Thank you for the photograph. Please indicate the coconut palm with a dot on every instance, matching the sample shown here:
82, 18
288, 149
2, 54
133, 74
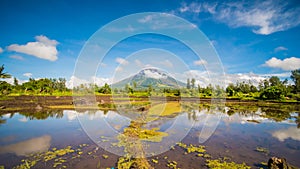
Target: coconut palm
3, 75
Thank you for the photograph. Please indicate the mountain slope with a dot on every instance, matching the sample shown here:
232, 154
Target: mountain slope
150, 76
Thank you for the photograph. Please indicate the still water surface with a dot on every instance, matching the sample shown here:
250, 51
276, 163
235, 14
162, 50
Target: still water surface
242, 129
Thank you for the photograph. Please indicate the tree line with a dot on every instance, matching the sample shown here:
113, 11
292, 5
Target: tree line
269, 89
33, 86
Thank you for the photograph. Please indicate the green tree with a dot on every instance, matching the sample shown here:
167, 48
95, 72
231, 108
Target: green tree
134, 85
274, 81
230, 89
105, 89
296, 78
188, 84
272, 92
5, 88
208, 90
3, 75
193, 83
16, 82
128, 89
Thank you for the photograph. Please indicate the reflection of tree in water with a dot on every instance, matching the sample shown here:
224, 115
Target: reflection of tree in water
276, 114
298, 120
2, 121
42, 115
38, 115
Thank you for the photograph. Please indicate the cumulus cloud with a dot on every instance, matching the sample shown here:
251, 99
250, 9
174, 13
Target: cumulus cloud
27, 74
18, 57
1, 50
203, 78
43, 48
264, 17
75, 81
122, 61
280, 48
101, 81
200, 62
11, 80
155, 75
291, 63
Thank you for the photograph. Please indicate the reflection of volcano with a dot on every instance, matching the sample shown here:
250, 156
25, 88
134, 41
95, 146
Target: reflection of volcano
34, 145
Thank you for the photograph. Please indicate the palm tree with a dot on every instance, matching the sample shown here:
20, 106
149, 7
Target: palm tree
3, 75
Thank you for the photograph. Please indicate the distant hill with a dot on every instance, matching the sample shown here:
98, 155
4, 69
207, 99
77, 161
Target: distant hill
150, 76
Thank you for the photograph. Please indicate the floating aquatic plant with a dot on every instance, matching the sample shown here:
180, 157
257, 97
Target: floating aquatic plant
222, 164
191, 148
172, 164
262, 150
154, 161
57, 156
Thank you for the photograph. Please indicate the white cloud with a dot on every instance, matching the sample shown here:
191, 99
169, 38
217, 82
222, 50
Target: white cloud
155, 75
264, 17
141, 64
213, 42
119, 69
192, 7
203, 78
200, 62
284, 134
11, 81
284, 74
43, 48
122, 61
280, 48
146, 19
1, 50
129, 28
18, 57
244, 77
103, 65
74, 82
27, 74
291, 63
164, 21
101, 81
166, 63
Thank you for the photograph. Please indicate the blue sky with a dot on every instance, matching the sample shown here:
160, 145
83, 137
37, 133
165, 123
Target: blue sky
253, 39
